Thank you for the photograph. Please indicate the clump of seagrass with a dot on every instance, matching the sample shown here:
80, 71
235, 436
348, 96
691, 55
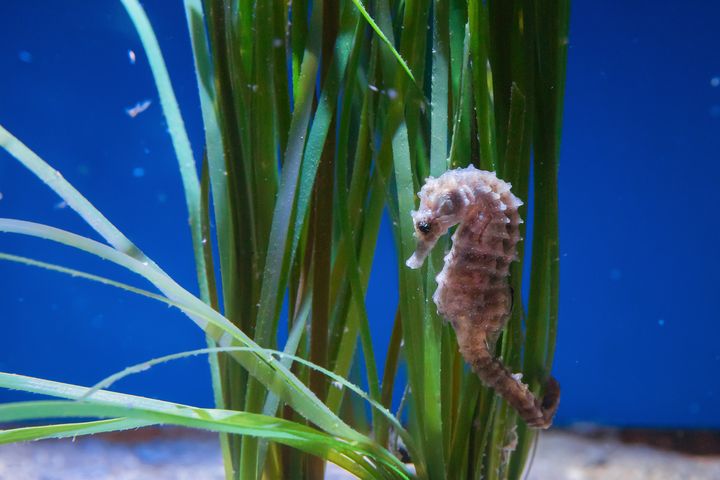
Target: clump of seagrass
473, 292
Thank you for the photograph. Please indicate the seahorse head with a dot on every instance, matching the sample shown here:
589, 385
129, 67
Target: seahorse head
442, 205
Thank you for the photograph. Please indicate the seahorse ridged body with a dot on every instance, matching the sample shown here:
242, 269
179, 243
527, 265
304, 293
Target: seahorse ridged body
473, 292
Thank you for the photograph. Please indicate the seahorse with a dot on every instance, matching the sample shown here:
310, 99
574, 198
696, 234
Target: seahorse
473, 293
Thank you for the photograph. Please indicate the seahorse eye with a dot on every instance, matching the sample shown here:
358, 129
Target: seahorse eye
423, 227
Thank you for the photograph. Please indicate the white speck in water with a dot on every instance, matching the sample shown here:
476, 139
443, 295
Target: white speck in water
373, 88
392, 93
1, 195
132, 57
138, 172
25, 56
715, 82
60, 205
337, 385
661, 322
615, 274
145, 263
277, 42
139, 108
253, 87
204, 241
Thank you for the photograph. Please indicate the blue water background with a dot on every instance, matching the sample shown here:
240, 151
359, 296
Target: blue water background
638, 334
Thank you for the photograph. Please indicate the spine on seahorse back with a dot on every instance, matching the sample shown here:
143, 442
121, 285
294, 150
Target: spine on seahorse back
473, 291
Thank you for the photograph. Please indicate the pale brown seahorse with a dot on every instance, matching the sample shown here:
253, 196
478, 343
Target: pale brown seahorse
473, 292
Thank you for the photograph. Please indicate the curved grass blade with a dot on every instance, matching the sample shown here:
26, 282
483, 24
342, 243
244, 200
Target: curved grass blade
482, 83
278, 259
178, 134
95, 278
75, 200
263, 367
70, 430
213, 136
287, 356
347, 455
338, 381
386, 41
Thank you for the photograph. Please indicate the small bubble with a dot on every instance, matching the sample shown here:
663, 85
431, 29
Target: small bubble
25, 56
661, 322
277, 42
715, 82
131, 57
60, 205
392, 93
138, 172
1, 195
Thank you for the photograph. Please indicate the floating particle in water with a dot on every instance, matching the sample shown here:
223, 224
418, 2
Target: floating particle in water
615, 274
161, 197
715, 82
131, 57
139, 108
1, 195
138, 172
60, 205
25, 56
277, 42
661, 322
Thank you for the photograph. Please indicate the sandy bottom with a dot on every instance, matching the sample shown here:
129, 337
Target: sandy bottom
179, 455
